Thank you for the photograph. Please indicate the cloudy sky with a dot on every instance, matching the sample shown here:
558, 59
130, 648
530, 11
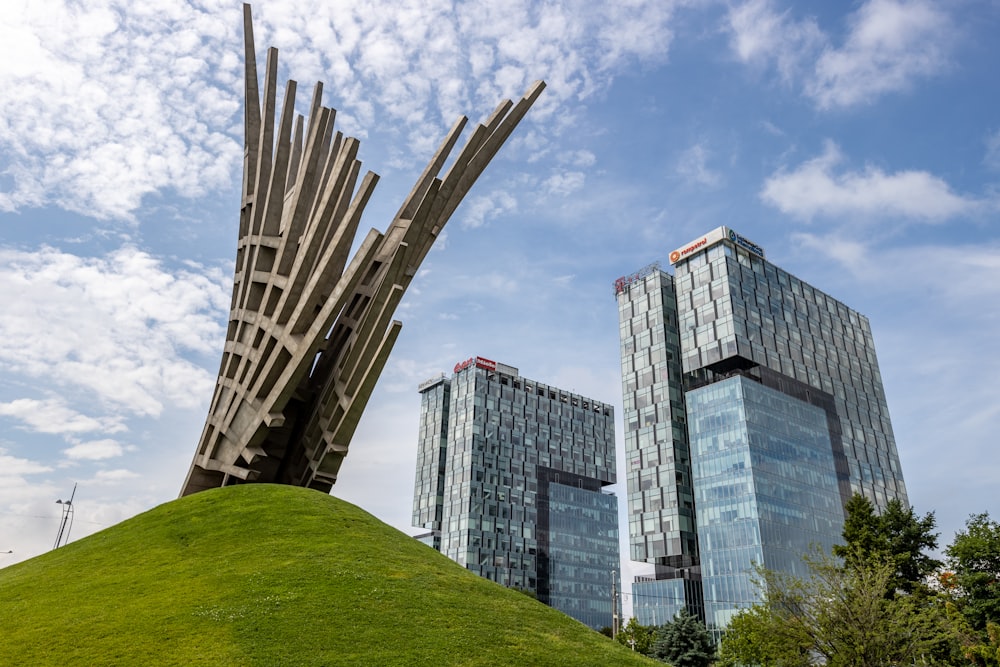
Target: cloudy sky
858, 143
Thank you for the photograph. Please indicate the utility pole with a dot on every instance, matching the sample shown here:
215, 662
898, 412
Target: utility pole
615, 619
66, 524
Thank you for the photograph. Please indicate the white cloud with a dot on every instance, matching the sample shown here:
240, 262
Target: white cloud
116, 326
123, 102
851, 253
530, 145
12, 471
95, 450
692, 166
634, 29
889, 45
816, 188
107, 477
53, 416
110, 101
580, 158
28, 513
564, 183
761, 35
480, 209
973, 272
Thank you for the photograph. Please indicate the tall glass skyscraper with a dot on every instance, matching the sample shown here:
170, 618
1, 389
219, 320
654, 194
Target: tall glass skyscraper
757, 397
510, 482
661, 506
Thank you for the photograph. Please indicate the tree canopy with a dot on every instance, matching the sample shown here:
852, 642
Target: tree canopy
684, 642
868, 603
638, 637
974, 556
755, 637
846, 615
898, 536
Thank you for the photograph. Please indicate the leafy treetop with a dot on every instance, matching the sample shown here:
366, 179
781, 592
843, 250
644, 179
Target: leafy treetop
897, 535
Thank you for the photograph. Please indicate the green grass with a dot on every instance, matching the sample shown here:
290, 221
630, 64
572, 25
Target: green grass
273, 575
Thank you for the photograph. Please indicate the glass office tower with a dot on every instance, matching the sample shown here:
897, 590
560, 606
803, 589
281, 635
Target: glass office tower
738, 313
510, 481
658, 460
765, 487
750, 349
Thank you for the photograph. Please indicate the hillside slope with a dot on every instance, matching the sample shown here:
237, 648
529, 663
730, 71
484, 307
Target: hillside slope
273, 575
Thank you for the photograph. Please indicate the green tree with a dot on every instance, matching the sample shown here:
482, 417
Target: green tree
974, 556
684, 642
846, 615
862, 532
986, 652
897, 535
911, 540
638, 637
754, 637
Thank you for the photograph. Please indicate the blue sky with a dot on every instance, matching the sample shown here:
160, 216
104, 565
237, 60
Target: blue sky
858, 143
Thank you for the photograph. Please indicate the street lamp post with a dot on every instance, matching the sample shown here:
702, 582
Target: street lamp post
67, 520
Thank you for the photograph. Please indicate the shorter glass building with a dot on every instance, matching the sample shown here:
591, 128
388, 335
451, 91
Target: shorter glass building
657, 601
765, 488
576, 545
510, 481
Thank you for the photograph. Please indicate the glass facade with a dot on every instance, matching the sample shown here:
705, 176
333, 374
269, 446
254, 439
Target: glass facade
522, 473
658, 601
582, 551
736, 309
661, 508
753, 410
658, 476
765, 487
432, 447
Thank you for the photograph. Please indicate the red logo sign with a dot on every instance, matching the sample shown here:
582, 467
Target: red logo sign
677, 254
479, 362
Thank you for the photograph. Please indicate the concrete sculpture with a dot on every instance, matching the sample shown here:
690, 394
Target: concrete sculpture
309, 331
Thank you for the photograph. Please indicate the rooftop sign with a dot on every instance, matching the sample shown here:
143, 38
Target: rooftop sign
427, 384
622, 283
705, 241
478, 362
710, 239
746, 243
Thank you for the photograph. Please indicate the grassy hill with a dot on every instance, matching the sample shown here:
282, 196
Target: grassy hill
273, 575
